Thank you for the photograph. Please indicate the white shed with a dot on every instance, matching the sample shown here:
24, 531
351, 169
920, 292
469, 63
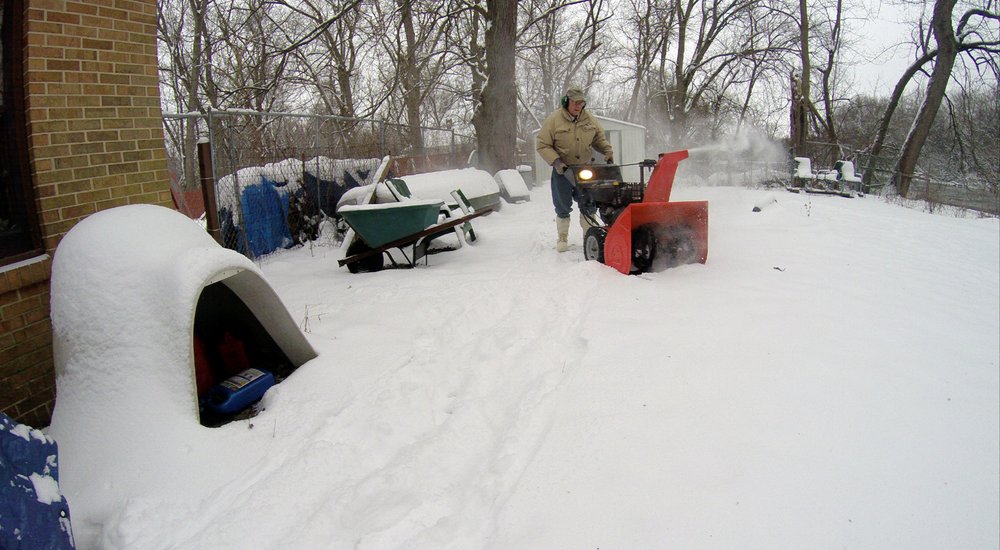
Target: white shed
628, 141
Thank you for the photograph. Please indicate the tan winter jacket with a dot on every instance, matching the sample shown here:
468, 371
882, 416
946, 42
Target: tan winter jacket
572, 141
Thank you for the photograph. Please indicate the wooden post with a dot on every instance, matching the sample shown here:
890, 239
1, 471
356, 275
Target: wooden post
208, 190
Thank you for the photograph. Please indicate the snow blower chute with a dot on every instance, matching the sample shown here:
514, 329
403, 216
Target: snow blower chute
642, 230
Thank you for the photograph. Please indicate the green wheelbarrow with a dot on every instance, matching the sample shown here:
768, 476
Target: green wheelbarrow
408, 226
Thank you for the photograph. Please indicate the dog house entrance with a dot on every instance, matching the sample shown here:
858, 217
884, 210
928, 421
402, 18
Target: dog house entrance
235, 358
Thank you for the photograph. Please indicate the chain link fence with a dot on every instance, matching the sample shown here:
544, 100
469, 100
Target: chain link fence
935, 191
278, 177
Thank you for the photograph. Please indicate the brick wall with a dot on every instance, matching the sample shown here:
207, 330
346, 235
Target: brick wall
93, 103
28, 388
95, 142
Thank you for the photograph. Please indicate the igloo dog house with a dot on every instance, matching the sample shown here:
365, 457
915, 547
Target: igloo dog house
149, 312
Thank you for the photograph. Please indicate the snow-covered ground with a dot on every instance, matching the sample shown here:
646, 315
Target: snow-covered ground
829, 379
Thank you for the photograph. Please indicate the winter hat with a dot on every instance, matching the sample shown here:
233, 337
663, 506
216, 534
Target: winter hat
575, 93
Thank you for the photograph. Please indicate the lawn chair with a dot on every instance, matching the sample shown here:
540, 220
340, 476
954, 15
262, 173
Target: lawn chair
401, 192
849, 179
824, 182
467, 209
802, 175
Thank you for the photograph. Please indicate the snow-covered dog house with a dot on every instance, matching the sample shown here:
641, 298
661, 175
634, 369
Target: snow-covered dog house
628, 141
148, 312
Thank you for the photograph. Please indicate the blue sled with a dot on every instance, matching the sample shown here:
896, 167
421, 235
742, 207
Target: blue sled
238, 392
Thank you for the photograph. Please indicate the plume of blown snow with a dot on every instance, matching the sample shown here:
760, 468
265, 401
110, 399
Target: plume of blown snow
744, 158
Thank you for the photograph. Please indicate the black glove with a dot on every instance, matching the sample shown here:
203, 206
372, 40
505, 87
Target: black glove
609, 159
559, 166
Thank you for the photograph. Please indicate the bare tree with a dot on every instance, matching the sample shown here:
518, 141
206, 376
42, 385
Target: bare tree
801, 85
712, 45
332, 66
944, 34
973, 38
555, 44
248, 75
409, 75
831, 47
419, 58
643, 29
182, 29
770, 41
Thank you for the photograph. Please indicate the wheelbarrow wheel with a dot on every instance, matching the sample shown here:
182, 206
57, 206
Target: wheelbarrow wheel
593, 244
643, 249
375, 262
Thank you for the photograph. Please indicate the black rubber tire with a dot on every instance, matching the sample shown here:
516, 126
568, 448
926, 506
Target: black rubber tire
375, 262
643, 249
593, 244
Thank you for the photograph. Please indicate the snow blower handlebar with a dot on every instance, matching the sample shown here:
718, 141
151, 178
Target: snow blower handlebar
583, 173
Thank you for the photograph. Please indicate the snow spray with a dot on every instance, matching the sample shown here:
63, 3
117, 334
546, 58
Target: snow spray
746, 157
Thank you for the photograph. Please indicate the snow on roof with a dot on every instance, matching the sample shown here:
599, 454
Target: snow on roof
621, 122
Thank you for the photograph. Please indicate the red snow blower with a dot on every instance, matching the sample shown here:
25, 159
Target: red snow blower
642, 230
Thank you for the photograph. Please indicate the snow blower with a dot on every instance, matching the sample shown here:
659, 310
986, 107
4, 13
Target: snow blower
642, 230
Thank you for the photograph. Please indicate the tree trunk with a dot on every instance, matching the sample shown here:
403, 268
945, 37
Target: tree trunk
799, 121
832, 51
944, 34
676, 93
193, 100
495, 119
411, 78
890, 109
801, 91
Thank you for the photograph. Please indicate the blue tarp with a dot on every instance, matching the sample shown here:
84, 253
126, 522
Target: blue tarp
33, 513
266, 211
274, 217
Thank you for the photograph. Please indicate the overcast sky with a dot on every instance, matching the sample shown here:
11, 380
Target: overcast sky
885, 40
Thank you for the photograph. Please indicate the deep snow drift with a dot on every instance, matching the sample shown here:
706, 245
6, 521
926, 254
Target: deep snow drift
830, 378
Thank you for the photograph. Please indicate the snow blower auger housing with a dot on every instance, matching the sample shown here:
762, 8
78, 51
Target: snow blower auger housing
642, 230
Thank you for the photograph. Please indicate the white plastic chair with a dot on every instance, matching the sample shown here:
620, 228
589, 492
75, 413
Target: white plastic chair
845, 170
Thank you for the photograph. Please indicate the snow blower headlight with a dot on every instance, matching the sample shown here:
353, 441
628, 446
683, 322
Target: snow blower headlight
585, 174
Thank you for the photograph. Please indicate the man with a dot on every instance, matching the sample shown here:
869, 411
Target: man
569, 137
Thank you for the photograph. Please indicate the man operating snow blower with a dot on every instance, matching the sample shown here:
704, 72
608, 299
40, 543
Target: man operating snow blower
569, 137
